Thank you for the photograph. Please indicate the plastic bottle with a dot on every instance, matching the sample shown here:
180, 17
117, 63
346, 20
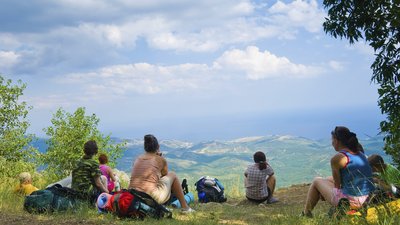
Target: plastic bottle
202, 197
188, 198
144, 208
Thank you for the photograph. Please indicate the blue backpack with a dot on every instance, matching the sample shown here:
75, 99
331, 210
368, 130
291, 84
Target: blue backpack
210, 189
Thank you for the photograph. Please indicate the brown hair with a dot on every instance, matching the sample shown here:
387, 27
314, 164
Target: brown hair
376, 161
103, 159
259, 157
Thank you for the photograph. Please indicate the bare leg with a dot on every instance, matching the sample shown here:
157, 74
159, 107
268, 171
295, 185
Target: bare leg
104, 182
176, 189
271, 183
320, 187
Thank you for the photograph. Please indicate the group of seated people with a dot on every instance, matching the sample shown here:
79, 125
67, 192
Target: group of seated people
149, 175
352, 175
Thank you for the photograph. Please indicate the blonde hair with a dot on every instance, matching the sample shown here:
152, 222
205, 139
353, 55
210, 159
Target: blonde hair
25, 177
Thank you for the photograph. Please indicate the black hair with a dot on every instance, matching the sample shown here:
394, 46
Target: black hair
185, 187
347, 138
150, 143
259, 157
90, 148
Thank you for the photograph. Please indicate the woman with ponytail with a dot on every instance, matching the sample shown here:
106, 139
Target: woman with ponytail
150, 175
260, 180
351, 174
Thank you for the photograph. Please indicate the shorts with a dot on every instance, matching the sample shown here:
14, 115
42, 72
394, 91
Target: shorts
356, 202
163, 191
260, 200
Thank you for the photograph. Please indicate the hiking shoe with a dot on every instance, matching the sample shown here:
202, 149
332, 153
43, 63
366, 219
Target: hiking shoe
308, 214
188, 211
263, 204
272, 200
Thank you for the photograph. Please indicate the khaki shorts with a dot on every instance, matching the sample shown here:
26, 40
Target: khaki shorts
163, 191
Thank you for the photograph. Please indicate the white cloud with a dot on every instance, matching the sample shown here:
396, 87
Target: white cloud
297, 14
336, 65
8, 59
362, 48
148, 79
8, 41
142, 78
51, 101
199, 26
261, 65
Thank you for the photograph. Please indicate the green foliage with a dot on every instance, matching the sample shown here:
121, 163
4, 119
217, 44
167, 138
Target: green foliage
13, 123
68, 134
378, 23
11, 169
15, 153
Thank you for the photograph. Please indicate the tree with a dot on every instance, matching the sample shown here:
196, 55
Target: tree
14, 142
68, 134
378, 23
15, 150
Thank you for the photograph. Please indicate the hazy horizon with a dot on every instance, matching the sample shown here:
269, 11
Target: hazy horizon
311, 125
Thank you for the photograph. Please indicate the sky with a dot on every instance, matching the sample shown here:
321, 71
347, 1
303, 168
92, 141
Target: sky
188, 70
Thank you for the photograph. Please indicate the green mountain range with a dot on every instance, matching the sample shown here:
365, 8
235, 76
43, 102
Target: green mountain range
294, 159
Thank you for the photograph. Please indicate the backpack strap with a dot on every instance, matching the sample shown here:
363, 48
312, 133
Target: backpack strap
115, 205
135, 204
219, 184
142, 197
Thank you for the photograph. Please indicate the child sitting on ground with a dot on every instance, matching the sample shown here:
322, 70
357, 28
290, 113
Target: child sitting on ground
388, 176
25, 186
111, 180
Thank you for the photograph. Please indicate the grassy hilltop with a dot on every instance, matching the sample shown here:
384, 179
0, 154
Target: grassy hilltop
236, 211
296, 161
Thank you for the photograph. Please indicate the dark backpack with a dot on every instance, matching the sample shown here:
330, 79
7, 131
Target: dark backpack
134, 204
210, 189
53, 199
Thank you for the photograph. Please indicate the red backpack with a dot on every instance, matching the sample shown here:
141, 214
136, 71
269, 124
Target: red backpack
133, 204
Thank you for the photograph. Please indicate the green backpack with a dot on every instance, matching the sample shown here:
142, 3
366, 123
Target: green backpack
53, 199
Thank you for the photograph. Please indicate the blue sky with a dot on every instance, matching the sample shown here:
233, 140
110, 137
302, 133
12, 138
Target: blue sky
192, 70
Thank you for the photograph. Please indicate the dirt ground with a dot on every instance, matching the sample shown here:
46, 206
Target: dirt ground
294, 195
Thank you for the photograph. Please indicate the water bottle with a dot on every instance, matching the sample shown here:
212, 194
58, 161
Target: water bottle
202, 197
188, 198
144, 208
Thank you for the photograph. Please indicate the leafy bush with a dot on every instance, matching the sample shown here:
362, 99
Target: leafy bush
68, 134
14, 142
11, 169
